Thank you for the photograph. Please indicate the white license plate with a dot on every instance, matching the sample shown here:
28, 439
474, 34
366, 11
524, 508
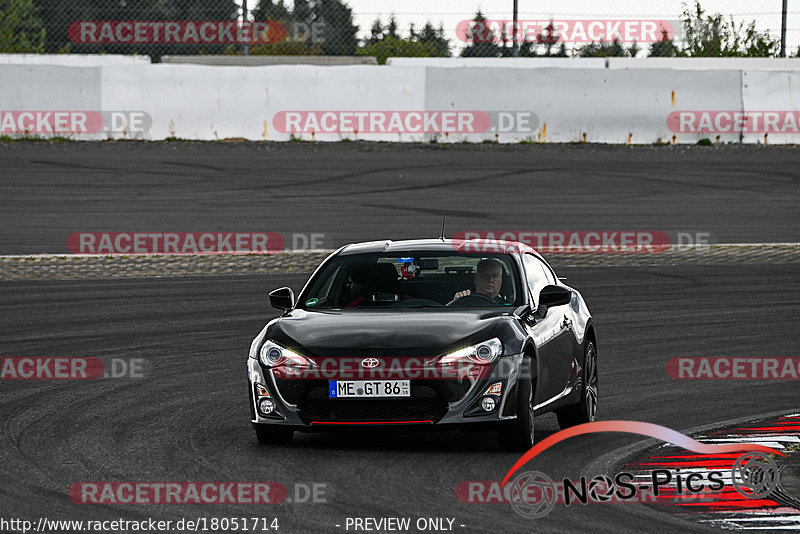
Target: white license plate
368, 388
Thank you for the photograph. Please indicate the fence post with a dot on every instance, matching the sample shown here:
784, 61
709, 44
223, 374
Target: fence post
244, 21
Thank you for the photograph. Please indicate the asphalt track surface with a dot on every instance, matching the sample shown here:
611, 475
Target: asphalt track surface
353, 192
187, 419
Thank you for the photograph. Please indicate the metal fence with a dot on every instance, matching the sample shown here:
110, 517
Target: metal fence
385, 28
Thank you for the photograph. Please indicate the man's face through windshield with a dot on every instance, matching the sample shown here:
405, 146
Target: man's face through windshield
489, 278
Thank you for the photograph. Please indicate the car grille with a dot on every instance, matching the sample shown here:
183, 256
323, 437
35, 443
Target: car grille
424, 404
294, 391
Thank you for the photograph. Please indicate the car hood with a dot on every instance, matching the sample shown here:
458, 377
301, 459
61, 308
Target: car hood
362, 333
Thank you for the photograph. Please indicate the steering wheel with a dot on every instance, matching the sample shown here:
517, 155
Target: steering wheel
474, 299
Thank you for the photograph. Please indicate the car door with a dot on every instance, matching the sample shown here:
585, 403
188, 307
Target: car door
551, 334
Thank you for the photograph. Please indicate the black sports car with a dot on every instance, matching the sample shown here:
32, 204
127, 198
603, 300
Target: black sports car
425, 333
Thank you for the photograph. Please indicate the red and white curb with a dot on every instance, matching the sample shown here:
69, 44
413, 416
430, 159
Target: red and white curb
725, 508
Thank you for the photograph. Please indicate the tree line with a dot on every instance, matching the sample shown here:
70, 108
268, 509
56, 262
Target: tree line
326, 27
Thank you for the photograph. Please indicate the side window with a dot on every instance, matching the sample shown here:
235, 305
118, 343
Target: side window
537, 274
551, 277
324, 293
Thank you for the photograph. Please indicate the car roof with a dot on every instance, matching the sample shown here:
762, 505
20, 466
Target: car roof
467, 246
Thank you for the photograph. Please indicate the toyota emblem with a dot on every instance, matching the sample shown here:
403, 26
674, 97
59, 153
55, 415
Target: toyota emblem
369, 363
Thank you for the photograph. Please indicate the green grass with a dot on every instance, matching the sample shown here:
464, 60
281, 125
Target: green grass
33, 139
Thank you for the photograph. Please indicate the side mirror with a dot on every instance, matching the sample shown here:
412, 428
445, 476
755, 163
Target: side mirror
554, 296
282, 298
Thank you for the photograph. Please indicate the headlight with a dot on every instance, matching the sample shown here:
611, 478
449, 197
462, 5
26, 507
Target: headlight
482, 353
273, 355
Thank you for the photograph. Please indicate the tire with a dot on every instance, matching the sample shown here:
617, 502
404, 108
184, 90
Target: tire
517, 435
586, 410
273, 434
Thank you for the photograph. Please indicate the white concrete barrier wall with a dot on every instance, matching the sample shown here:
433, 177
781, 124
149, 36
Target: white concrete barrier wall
623, 105
596, 106
200, 102
50, 88
776, 93
189, 101
26, 88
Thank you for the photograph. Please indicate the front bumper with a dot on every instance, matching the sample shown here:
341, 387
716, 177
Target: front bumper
304, 404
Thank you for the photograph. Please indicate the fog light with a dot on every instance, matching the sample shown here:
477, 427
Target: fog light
488, 404
266, 406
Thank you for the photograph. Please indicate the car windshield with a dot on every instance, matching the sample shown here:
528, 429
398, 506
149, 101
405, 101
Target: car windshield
414, 280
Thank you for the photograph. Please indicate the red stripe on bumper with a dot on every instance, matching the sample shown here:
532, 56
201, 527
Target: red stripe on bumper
368, 422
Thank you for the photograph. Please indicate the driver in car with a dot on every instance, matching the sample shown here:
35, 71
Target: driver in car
488, 280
